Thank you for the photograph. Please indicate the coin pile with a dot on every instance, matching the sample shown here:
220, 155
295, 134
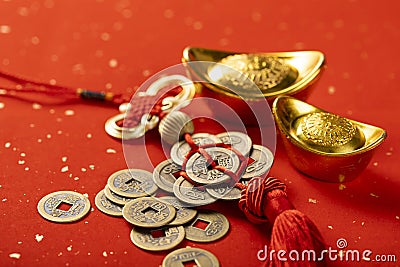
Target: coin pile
215, 182
161, 223
158, 223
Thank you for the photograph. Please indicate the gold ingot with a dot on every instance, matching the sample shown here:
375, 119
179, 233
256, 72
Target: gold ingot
324, 145
274, 74
278, 73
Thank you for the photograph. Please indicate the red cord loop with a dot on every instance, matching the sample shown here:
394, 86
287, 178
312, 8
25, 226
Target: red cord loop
235, 176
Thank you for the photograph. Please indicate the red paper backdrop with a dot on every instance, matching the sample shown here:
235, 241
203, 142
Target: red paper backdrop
114, 46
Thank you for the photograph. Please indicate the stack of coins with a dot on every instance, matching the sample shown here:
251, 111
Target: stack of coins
159, 223
215, 184
162, 223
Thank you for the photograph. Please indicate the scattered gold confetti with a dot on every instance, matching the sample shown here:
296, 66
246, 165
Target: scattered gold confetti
311, 200
69, 248
373, 195
113, 63
89, 135
64, 159
7, 145
21, 162
38, 237
342, 186
15, 255
105, 254
331, 90
330, 227
111, 151
64, 169
362, 223
91, 166
375, 164
398, 217
36, 106
69, 112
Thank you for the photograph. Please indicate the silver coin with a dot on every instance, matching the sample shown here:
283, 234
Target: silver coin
51, 208
180, 149
132, 183
166, 238
163, 175
262, 159
198, 170
191, 195
224, 191
106, 206
200, 257
183, 215
216, 226
148, 212
237, 140
115, 198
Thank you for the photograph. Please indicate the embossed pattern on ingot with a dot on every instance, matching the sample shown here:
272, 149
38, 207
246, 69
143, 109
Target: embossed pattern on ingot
49, 206
326, 129
148, 212
265, 71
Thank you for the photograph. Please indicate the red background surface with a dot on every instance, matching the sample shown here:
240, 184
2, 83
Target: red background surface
73, 42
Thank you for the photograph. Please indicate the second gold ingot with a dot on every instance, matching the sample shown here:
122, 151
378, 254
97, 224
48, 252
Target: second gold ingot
324, 145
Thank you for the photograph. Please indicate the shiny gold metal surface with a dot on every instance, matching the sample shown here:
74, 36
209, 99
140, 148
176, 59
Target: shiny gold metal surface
324, 145
278, 73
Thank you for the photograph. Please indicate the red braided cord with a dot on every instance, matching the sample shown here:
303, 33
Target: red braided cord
252, 199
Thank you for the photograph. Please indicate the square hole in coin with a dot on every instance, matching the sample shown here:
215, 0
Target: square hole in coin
132, 180
149, 210
157, 233
190, 263
201, 224
250, 161
64, 206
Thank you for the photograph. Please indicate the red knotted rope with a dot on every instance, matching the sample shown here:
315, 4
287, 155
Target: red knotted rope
235, 176
265, 200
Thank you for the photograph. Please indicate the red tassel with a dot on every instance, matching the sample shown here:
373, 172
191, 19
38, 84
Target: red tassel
293, 233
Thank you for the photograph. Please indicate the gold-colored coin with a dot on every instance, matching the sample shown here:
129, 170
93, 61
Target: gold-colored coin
208, 226
148, 212
106, 206
183, 215
201, 257
132, 183
159, 239
63, 206
113, 197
